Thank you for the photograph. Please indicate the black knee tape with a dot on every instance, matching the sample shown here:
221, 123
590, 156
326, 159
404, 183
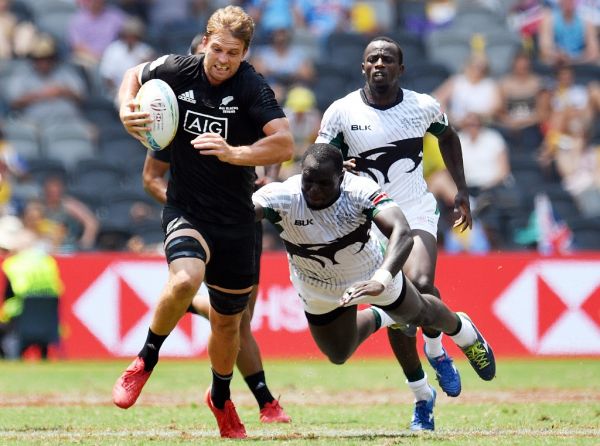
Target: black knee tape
228, 303
184, 246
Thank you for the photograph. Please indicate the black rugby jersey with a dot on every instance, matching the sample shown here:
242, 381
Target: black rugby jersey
203, 186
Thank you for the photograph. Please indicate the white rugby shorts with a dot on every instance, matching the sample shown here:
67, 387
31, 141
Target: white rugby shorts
318, 300
421, 213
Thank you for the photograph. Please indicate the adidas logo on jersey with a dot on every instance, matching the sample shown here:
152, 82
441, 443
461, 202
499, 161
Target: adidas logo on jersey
188, 96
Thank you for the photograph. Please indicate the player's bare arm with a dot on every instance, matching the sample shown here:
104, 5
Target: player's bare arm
392, 223
153, 178
133, 120
271, 174
276, 147
259, 212
451, 151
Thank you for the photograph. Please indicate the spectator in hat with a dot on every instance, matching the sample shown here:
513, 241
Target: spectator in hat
29, 272
305, 119
126, 52
47, 90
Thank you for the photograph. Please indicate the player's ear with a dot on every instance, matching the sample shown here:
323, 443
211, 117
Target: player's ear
362, 67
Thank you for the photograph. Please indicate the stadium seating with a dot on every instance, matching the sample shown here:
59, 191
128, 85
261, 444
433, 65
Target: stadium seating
23, 137
449, 47
41, 168
424, 76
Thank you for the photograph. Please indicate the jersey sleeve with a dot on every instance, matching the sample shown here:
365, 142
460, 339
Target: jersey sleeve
330, 126
438, 119
263, 106
275, 201
331, 131
372, 198
174, 69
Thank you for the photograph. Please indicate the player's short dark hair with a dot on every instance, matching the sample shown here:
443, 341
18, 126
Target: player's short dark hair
196, 41
393, 42
323, 153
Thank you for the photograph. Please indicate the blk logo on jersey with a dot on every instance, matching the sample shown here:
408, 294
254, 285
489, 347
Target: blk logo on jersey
308, 221
199, 123
381, 159
360, 127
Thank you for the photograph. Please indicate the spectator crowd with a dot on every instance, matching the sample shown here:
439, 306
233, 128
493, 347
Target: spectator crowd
519, 79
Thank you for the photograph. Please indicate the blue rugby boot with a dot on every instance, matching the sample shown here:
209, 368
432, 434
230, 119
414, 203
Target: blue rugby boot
446, 373
480, 355
422, 419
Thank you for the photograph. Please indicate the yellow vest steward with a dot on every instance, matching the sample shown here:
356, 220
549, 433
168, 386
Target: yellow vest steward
30, 273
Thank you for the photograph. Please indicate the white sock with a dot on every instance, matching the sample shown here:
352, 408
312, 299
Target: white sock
421, 389
433, 346
386, 320
466, 336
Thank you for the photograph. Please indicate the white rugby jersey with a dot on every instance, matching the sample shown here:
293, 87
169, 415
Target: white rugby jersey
387, 143
330, 248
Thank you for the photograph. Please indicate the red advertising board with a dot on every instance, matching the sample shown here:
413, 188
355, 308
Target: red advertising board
524, 304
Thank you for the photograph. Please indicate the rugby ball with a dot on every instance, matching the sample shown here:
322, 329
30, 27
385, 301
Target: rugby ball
158, 99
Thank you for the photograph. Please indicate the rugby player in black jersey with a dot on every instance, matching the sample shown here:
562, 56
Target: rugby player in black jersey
249, 361
229, 123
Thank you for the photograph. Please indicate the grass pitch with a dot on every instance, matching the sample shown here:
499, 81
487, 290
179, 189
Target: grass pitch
364, 402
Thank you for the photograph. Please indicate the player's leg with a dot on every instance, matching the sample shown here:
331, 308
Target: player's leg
249, 361
426, 310
250, 365
338, 333
229, 279
420, 270
186, 251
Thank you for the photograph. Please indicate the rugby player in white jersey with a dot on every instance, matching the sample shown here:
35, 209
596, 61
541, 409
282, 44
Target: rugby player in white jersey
324, 217
379, 129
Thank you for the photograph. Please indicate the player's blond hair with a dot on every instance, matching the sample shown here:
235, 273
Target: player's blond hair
235, 20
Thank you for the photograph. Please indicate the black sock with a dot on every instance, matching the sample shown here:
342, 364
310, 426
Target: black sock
416, 375
220, 392
258, 386
149, 352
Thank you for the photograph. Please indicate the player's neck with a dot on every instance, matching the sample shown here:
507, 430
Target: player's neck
382, 98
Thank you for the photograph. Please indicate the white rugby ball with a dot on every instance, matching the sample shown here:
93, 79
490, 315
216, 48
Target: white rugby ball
158, 99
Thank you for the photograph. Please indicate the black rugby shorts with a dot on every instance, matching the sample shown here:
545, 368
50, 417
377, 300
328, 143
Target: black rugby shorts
232, 250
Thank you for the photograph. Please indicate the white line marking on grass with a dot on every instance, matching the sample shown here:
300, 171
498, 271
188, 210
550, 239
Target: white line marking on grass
258, 434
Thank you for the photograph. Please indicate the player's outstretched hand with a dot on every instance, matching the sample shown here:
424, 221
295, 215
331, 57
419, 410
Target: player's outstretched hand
134, 120
365, 288
350, 166
213, 144
463, 208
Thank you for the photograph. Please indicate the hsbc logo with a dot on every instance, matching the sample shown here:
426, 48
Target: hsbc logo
199, 123
553, 307
117, 309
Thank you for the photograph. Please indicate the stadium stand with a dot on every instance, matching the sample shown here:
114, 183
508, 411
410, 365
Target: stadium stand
433, 49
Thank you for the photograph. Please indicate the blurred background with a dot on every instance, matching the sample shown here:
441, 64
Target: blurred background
519, 79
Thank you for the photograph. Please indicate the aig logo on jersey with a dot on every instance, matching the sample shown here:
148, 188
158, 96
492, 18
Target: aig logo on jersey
199, 123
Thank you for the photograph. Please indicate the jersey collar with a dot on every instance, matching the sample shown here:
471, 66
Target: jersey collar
399, 98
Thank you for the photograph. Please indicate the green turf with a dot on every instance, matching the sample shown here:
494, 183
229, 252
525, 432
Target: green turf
542, 402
